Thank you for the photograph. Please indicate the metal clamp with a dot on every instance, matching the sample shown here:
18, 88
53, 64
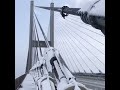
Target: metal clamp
63, 13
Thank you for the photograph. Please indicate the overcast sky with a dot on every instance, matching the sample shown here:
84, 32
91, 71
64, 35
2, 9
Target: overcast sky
63, 38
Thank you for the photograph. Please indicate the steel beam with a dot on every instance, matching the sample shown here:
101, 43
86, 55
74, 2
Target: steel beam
39, 43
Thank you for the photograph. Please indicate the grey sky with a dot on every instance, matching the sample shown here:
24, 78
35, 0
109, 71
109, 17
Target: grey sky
22, 10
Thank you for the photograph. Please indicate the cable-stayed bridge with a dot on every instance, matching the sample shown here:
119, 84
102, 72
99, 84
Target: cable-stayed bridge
70, 56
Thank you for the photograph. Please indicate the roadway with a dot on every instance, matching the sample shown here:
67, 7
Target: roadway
92, 83
28, 83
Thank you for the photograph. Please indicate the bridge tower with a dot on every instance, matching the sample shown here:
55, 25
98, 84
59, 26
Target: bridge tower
29, 59
52, 24
33, 43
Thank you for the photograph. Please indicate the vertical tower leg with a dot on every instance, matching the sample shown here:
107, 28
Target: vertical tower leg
29, 60
52, 25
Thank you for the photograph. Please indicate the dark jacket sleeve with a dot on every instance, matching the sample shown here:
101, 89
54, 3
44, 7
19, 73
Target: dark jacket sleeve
96, 21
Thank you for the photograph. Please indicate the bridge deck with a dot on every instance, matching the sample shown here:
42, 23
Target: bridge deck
28, 83
92, 83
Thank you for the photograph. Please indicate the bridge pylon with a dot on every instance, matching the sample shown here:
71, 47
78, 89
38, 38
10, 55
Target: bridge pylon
35, 43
